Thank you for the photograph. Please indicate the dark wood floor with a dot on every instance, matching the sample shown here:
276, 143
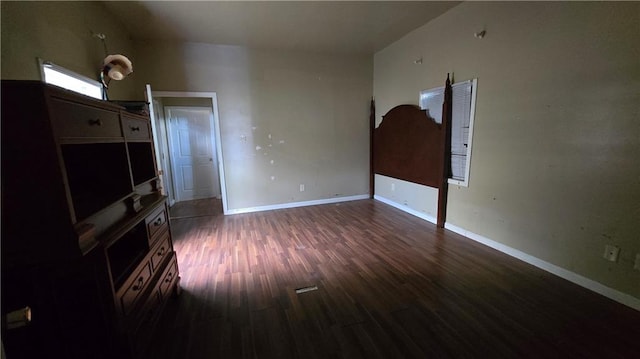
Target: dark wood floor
389, 285
196, 208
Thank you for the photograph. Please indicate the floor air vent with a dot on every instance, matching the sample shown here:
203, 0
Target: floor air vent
306, 289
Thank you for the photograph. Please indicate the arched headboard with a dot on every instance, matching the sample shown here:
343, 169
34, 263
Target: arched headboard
409, 145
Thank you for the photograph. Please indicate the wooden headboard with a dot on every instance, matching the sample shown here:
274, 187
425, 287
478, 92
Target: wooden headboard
409, 145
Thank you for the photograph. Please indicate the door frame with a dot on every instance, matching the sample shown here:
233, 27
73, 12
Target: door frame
172, 144
162, 149
216, 129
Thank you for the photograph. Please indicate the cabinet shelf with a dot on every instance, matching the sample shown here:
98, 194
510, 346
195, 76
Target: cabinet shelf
126, 253
97, 174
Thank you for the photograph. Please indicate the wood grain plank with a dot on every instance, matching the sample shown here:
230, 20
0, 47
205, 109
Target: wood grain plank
389, 286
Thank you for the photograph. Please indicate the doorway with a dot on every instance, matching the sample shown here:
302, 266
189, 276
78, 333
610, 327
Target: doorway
192, 156
189, 152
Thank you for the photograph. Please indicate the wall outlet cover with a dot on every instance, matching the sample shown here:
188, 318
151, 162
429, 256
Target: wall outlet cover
611, 253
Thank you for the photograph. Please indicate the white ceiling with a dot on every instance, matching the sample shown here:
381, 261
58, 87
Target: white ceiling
359, 27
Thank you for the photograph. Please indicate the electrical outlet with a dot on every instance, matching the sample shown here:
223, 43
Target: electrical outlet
301, 187
636, 264
611, 253
393, 187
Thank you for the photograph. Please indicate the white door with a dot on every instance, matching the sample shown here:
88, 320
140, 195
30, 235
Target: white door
193, 159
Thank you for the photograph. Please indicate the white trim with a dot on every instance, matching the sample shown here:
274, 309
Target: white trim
472, 115
156, 134
216, 122
218, 134
185, 94
163, 150
406, 209
297, 204
575, 278
587, 283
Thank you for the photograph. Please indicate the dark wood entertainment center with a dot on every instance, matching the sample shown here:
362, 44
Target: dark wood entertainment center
86, 238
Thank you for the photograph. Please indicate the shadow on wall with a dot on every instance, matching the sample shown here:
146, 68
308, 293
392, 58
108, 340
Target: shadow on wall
286, 118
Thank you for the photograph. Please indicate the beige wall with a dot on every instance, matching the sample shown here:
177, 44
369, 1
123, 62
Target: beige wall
555, 167
315, 107
61, 32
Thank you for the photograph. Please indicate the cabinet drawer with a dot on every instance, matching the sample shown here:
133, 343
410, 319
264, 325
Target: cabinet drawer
155, 223
131, 294
147, 316
169, 278
72, 120
135, 129
160, 251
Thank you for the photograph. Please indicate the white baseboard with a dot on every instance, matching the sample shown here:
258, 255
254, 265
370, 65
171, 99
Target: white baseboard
404, 208
585, 282
297, 204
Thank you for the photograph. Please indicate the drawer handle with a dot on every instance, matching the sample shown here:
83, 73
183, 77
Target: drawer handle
169, 278
96, 122
133, 129
158, 222
138, 284
161, 252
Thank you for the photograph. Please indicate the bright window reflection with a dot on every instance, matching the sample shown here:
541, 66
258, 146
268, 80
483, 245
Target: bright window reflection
59, 76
